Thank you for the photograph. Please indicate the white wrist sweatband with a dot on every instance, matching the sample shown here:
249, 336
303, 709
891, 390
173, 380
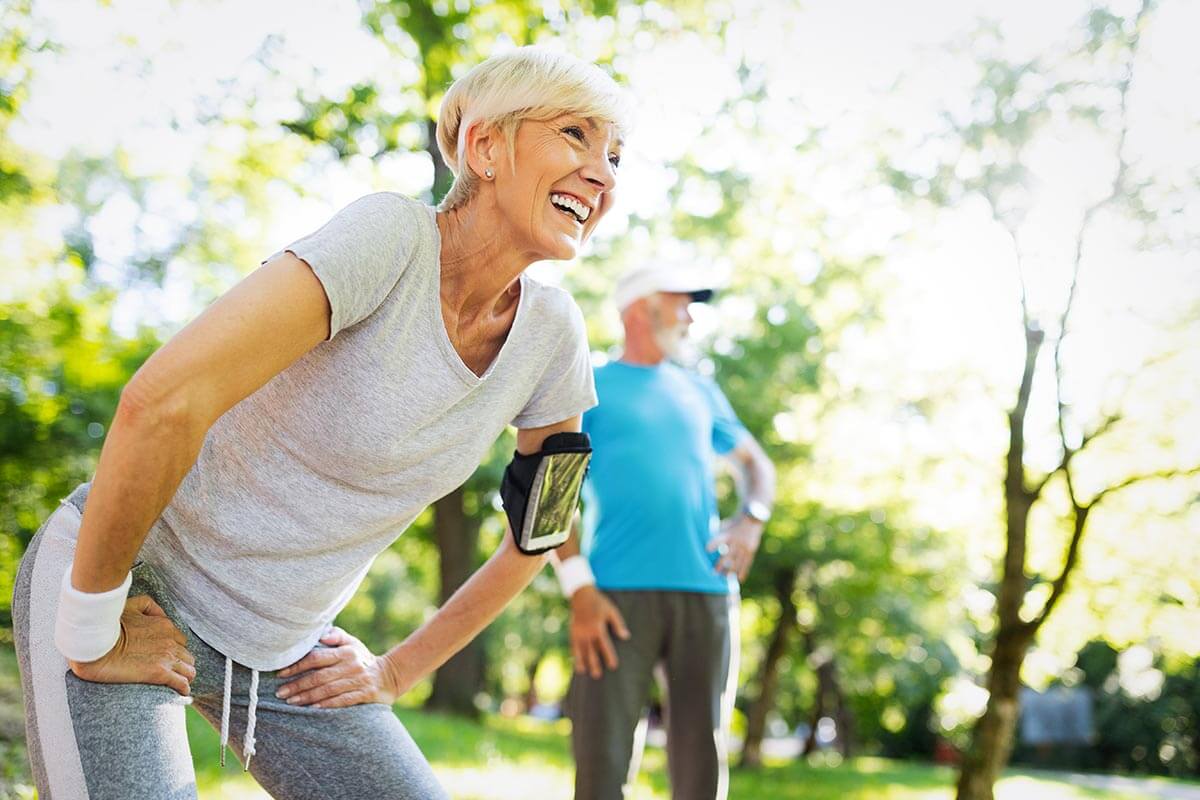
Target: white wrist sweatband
88, 624
574, 574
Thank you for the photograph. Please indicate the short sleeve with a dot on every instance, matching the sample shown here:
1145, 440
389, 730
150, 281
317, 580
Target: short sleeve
567, 387
359, 255
727, 429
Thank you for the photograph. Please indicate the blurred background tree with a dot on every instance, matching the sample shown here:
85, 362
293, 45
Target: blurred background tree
1081, 94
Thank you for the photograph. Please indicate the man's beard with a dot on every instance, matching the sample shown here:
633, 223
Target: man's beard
673, 341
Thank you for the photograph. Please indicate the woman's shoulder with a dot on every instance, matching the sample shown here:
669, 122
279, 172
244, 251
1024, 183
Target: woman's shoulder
396, 227
554, 306
393, 205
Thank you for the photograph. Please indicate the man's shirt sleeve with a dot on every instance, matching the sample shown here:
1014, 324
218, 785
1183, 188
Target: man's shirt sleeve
727, 430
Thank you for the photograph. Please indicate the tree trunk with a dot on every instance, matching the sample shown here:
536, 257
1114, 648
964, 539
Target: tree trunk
830, 700
459, 680
818, 662
531, 695
846, 736
768, 681
992, 737
443, 178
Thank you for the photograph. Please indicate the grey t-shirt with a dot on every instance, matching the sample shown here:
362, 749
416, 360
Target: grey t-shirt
299, 486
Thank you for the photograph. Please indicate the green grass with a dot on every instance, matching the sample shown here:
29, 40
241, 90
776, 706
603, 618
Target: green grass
502, 759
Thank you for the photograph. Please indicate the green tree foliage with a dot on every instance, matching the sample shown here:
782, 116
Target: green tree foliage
1146, 713
17, 41
61, 366
1156, 729
438, 41
61, 372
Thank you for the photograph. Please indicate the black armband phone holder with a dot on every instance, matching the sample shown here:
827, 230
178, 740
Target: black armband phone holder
540, 491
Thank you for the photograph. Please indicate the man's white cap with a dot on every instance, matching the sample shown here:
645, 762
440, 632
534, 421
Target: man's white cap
645, 281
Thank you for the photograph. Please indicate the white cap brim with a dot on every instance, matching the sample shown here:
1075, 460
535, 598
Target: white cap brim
645, 281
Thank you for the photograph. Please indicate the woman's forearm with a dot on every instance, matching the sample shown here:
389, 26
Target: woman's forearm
468, 611
148, 451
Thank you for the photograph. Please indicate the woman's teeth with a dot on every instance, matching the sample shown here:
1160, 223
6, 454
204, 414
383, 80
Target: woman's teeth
568, 203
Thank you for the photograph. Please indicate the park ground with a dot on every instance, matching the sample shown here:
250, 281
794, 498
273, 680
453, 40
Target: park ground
499, 758
515, 759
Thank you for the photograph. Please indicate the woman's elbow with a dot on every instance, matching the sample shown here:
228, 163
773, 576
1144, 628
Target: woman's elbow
146, 404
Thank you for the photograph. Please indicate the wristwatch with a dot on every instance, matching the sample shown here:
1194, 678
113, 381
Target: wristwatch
757, 511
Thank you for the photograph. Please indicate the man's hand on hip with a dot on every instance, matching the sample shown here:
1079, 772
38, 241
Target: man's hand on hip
592, 614
737, 543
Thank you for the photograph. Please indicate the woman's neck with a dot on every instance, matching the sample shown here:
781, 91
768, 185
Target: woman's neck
479, 265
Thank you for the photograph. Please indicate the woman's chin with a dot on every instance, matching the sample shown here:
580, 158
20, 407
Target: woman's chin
562, 249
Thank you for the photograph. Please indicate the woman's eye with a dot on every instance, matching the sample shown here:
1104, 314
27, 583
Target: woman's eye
615, 160
574, 131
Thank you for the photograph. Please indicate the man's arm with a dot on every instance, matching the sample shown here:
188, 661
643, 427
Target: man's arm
757, 473
754, 475
592, 614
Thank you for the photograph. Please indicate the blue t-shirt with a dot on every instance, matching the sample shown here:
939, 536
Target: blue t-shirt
651, 495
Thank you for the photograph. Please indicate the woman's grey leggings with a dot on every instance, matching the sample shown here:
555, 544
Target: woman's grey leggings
129, 742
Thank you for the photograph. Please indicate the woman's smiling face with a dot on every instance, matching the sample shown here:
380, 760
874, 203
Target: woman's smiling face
564, 177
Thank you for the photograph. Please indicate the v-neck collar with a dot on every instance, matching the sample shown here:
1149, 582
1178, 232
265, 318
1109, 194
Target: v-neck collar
453, 359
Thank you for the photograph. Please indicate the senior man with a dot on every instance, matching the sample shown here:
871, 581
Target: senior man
659, 581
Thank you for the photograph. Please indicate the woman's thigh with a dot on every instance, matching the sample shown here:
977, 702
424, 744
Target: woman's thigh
324, 754
89, 740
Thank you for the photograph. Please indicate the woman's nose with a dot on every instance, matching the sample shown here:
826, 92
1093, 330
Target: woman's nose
600, 173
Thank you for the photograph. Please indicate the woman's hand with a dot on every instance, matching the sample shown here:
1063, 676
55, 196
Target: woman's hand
149, 650
592, 616
345, 673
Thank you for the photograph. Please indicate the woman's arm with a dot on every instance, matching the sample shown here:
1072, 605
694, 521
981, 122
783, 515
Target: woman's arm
264, 323
347, 674
250, 334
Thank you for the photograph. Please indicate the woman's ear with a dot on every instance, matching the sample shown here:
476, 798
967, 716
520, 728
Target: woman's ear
484, 149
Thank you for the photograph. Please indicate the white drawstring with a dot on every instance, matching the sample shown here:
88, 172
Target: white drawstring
248, 741
225, 707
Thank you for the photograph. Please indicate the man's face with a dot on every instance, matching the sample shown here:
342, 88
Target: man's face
669, 321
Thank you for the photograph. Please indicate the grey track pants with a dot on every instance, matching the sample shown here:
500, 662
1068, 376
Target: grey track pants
129, 742
694, 638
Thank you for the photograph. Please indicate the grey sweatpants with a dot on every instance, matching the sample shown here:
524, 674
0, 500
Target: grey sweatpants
129, 741
694, 638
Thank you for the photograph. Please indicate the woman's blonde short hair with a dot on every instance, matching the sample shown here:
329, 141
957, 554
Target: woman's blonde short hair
505, 90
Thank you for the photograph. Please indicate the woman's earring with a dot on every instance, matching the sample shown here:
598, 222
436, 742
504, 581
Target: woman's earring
487, 173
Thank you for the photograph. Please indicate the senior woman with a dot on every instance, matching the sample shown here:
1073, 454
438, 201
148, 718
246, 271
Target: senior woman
261, 459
